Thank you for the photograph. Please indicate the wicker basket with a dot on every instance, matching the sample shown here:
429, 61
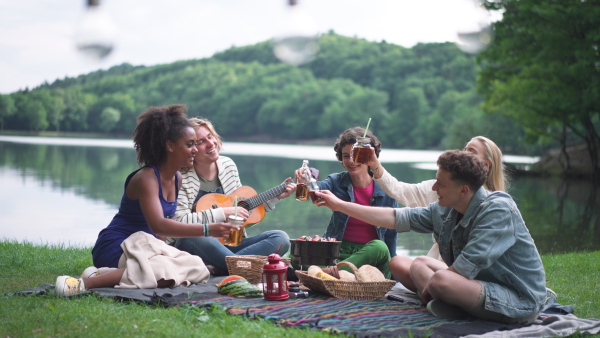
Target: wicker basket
249, 266
346, 290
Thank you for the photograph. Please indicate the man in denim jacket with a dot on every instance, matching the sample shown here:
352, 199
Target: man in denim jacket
491, 270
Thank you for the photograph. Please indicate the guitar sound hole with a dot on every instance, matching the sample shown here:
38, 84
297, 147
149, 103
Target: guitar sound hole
244, 205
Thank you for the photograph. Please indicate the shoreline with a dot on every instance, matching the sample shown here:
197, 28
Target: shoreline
549, 164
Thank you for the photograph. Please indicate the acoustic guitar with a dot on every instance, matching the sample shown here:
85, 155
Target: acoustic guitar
247, 199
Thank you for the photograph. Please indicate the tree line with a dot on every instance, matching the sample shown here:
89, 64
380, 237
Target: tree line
535, 88
421, 97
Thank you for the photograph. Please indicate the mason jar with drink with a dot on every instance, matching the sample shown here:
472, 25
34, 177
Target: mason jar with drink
362, 150
235, 236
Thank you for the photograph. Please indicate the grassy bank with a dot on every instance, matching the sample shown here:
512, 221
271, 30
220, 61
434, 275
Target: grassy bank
574, 277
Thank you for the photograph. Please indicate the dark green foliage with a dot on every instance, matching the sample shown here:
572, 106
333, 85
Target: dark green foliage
414, 96
543, 70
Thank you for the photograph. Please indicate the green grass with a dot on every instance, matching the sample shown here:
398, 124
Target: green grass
574, 277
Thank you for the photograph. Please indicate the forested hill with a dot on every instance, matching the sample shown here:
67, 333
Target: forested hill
420, 97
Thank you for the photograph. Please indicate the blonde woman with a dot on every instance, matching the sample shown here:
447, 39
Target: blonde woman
421, 194
213, 173
128, 252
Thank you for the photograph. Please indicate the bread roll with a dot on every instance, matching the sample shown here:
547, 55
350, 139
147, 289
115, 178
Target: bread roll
369, 273
347, 276
313, 269
366, 273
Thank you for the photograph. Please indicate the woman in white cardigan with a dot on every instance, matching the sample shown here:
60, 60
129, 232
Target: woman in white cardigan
420, 194
214, 173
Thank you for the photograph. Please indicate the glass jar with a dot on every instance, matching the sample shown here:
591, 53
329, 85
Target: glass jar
312, 188
362, 150
235, 236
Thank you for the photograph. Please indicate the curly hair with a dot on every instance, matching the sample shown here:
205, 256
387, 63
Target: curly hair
464, 167
155, 127
349, 137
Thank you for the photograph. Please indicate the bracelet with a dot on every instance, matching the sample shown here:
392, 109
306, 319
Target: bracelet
205, 229
375, 172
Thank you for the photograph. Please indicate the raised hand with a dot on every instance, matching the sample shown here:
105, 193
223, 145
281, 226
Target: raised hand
289, 189
329, 200
375, 165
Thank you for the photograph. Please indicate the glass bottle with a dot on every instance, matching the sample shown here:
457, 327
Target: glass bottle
362, 150
303, 181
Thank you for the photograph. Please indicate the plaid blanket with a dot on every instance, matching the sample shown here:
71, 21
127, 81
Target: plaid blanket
375, 318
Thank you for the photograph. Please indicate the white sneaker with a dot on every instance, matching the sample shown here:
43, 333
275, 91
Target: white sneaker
90, 272
67, 286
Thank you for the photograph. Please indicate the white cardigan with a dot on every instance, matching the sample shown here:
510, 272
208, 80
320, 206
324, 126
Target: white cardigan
410, 195
190, 186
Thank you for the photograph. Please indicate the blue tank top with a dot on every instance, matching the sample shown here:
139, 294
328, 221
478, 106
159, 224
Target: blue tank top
130, 219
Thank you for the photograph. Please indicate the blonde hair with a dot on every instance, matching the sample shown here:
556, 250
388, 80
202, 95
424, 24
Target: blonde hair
197, 123
498, 177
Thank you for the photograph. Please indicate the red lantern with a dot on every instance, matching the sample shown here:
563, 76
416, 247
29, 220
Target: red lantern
275, 279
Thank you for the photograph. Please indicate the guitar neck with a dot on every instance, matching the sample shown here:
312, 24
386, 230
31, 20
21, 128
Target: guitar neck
261, 198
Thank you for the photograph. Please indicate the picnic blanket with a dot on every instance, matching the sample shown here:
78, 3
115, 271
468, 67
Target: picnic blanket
382, 317
374, 318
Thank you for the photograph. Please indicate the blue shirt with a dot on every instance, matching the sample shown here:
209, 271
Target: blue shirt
341, 186
490, 244
130, 219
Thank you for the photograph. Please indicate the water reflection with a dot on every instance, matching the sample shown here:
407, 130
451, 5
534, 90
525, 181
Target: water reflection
53, 193
562, 215
37, 210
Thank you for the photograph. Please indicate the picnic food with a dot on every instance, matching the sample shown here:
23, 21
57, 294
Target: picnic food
316, 238
229, 279
347, 276
313, 269
348, 286
238, 287
324, 275
366, 273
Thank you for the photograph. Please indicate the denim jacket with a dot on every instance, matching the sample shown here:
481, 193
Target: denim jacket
341, 186
490, 244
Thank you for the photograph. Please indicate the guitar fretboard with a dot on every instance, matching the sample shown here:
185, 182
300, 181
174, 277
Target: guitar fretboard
261, 198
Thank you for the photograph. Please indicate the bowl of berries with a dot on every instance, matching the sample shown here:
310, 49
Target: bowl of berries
314, 250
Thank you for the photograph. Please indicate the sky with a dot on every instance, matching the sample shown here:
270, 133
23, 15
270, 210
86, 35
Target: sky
37, 36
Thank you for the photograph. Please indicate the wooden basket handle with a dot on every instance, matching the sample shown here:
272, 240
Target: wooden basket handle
349, 264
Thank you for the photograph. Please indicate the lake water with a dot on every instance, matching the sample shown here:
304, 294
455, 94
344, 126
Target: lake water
65, 190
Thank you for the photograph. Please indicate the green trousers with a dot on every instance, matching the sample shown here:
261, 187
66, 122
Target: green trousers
374, 253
